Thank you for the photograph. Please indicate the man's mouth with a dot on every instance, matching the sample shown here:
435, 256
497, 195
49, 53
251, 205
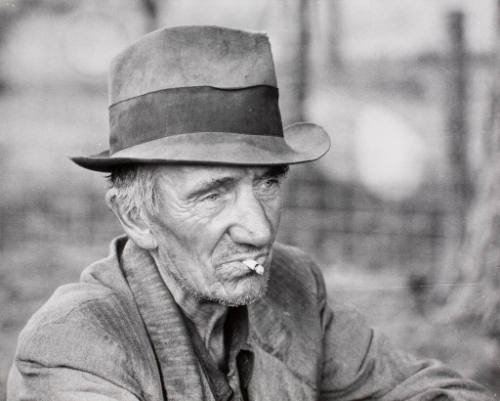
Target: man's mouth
244, 265
260, 258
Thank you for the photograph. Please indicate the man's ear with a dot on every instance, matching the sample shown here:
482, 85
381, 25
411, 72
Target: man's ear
133, 224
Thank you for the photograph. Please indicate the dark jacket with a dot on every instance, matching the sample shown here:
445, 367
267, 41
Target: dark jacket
118, 335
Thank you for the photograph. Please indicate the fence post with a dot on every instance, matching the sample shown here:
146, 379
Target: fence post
491, 141
302, 57
335, 62
457, 117
150, 8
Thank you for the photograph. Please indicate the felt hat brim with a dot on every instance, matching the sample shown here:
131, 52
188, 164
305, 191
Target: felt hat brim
302, 142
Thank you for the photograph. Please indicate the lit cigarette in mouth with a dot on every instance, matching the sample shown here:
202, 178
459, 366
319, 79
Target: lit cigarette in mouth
254, 266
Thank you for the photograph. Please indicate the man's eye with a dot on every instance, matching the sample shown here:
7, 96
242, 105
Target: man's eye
269, 184
212, 196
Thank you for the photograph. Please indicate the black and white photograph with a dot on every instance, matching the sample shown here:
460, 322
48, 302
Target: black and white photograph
249, 200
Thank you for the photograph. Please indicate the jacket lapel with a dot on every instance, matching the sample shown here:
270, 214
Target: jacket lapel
268, 329
276, 343
164, 323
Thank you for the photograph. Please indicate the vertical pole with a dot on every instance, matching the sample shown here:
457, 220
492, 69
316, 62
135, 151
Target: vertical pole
492, 141
151, 11
457, 117
335, 62
303, 56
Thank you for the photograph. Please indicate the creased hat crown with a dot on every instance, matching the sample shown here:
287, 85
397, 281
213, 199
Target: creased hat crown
200, 94
191, 56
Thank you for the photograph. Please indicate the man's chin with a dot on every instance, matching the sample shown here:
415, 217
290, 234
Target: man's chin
251, 294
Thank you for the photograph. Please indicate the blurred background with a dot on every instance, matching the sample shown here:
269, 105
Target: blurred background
403, 214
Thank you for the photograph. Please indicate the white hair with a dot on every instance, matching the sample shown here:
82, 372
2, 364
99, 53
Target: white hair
136, 189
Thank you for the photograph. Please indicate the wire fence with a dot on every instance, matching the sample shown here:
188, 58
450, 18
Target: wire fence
342, 223
336, 222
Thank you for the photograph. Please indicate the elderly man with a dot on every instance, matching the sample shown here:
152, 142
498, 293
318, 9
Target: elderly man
197, 302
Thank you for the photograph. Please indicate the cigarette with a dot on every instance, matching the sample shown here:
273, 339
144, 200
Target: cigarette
254, 266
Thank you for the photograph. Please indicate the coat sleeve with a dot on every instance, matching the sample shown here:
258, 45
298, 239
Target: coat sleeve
72, 360
360, 364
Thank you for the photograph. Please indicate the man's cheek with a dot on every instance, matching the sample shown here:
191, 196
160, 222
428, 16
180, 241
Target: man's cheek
273, 212
202, 243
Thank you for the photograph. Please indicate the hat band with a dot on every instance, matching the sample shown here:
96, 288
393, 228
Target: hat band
168, 112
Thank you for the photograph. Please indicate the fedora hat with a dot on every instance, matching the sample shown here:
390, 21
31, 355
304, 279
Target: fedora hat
200, 94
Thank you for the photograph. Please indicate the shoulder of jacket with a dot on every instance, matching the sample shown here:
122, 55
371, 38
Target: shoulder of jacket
75, 316
68, 302
84, 328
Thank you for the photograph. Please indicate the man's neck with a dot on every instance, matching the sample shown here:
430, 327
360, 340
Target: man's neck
207, 317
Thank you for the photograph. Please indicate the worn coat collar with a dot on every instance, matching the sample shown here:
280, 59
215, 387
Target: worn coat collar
164, 324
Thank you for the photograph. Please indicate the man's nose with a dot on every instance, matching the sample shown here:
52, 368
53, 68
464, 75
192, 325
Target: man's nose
251, 225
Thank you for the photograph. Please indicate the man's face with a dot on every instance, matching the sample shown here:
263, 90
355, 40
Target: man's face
210, 219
